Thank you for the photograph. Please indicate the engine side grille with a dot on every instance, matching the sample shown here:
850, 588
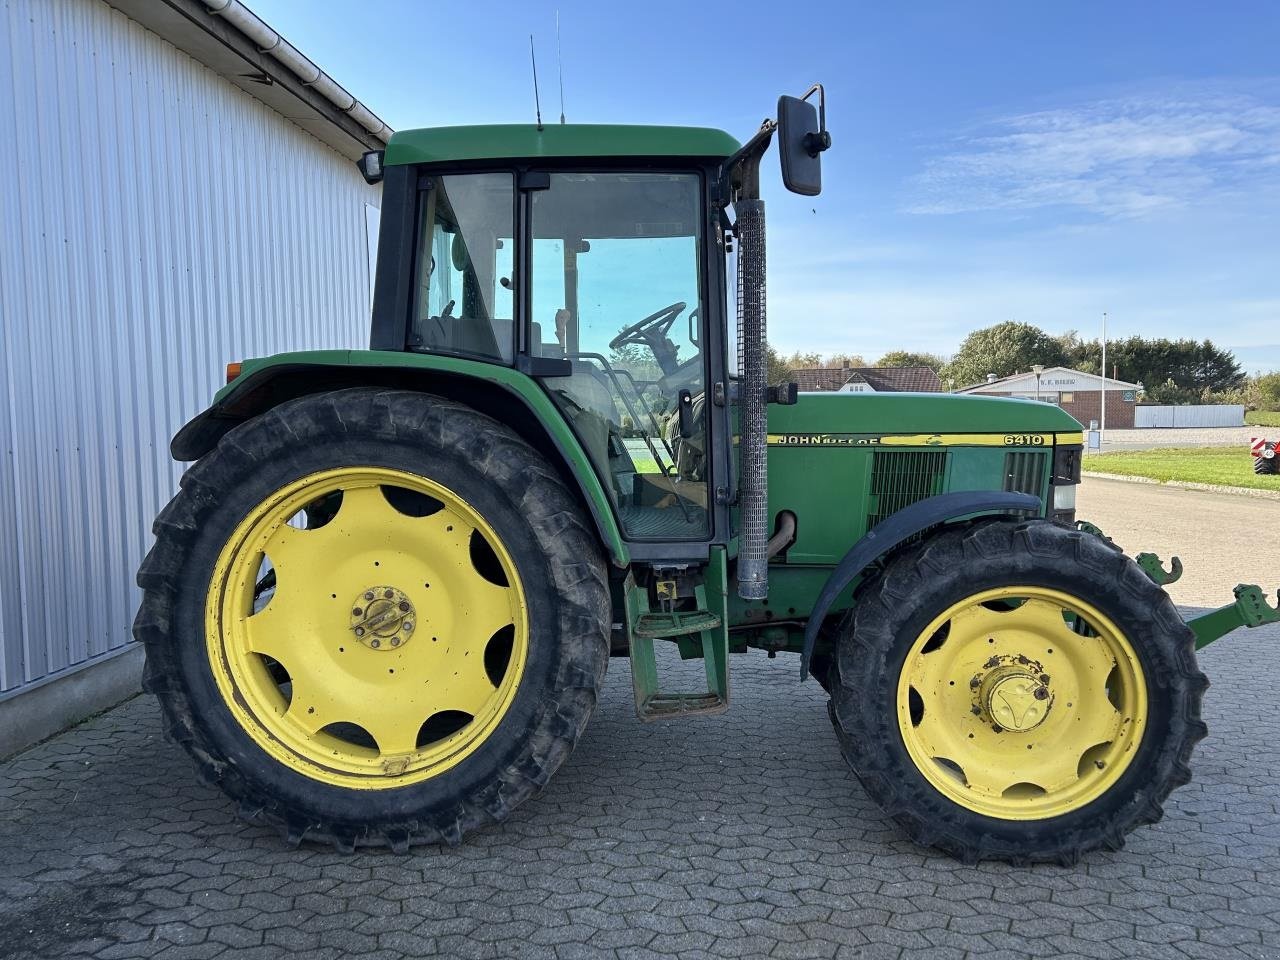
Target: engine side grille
1024, 472
900, 478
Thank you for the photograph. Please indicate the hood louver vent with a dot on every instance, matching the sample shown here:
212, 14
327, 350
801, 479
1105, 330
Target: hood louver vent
901, 478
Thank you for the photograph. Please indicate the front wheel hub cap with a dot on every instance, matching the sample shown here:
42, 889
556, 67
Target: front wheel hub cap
383, 618
1017, 702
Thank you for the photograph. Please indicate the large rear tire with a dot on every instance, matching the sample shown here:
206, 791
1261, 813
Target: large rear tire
1266, 466
374, 618
1017, 691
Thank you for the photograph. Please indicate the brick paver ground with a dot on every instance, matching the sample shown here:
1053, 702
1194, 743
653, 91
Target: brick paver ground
734, 836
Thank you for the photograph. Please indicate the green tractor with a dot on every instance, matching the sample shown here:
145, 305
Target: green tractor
380, 609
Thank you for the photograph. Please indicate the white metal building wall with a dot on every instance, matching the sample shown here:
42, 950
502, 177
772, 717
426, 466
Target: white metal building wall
155, 223
1192, 415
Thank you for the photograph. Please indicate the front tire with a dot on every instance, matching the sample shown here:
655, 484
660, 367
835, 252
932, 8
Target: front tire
374, 618
1017, 691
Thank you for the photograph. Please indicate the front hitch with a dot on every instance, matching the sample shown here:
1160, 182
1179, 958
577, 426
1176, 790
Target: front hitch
1251, 609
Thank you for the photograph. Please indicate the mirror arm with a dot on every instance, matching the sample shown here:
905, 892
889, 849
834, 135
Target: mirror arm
816, 143
748, 159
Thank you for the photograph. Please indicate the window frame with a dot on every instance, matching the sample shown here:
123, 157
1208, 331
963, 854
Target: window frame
537, 176
423, 185
398, 240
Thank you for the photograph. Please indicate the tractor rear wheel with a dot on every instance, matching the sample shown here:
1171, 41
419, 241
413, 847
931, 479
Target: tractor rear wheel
1017, 691
374, 618
1266, 466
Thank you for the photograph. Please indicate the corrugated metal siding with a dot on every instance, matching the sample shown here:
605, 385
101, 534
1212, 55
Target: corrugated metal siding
1192, 415
155, 223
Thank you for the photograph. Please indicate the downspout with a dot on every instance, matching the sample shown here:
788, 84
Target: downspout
276, 46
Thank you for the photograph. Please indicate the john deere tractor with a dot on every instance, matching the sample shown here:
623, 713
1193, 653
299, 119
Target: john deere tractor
380, 608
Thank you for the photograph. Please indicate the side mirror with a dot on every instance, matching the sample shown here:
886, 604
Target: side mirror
802, 137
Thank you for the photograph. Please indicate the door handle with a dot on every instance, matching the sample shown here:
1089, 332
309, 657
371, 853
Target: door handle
685, 412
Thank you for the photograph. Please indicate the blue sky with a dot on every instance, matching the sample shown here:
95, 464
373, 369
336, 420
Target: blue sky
991, 160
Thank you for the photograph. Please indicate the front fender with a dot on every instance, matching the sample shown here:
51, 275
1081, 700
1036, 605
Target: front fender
895, 530
507, 395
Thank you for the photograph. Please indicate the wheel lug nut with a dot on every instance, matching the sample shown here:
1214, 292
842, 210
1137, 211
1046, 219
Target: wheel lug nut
359, 631
408, 626
395, 641
357, 612
1042, 693
389, 594
404, 605
368, 595
375, 643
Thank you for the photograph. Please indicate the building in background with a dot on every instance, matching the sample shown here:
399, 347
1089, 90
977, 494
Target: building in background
849, 379
181, 194
1078, 393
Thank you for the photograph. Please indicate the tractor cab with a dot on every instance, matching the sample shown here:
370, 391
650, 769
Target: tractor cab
609, 271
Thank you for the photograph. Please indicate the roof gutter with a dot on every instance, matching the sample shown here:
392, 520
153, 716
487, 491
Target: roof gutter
272, 44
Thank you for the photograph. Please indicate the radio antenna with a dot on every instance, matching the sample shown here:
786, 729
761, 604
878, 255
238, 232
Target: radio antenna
537, 104
559, 66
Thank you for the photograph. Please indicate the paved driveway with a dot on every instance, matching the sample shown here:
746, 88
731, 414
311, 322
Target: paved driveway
1146, 439
736, 836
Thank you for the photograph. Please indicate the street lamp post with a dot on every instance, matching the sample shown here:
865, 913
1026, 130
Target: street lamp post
1038, 368
1102, 434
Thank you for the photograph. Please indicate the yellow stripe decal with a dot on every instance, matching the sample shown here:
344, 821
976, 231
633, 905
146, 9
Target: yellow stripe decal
913, 439
1068, 439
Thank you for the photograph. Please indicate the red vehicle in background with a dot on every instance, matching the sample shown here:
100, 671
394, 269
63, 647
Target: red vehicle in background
1264, 455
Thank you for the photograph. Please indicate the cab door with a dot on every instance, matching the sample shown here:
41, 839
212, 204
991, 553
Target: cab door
617, 290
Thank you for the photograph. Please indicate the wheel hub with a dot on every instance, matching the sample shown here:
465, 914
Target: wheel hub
1016, 700
383, 618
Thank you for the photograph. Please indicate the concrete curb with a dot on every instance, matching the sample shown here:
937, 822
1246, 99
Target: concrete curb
50, 708
1187, 485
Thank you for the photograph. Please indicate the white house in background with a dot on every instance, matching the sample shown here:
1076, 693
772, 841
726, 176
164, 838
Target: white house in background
1077, 392
182, 193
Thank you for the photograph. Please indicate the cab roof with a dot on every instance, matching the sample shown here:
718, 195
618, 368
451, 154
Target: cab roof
514, 141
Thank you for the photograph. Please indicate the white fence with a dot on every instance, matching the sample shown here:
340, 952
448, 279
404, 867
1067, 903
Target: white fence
1199, 415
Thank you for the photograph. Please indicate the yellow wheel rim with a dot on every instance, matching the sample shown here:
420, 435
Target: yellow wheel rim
1022, 703
367, 627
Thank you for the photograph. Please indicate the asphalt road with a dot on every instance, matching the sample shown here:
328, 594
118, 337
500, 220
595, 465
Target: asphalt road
736, 836
1147, 439
1222, 539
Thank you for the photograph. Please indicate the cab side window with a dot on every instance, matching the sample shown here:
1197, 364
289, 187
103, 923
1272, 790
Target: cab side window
462, 300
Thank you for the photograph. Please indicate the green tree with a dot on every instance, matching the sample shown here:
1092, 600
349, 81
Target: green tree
1267, 386
1003, 349
1193, 367
777, 370
907, 358
844, 360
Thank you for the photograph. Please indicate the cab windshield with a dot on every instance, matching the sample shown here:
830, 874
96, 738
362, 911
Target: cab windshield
616, 290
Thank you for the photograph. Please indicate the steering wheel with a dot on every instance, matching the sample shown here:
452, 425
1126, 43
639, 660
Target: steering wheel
652, 333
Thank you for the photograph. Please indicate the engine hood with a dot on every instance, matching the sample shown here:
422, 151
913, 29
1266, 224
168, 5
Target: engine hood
915, 413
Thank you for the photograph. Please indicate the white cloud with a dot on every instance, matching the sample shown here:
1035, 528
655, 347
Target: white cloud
1117, 157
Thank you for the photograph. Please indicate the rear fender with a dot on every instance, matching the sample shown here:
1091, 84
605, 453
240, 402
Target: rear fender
897, 529
501, 392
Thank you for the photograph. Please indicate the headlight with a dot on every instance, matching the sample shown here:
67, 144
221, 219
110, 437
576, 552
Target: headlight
1064, 498
1064, 503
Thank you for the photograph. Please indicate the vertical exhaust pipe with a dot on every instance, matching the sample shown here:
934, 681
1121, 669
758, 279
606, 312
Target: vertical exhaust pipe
753, 506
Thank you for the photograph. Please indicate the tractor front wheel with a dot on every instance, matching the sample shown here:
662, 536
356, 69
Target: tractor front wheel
374, 618
1017, 691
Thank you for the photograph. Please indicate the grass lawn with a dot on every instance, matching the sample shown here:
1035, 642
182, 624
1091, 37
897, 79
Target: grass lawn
1260, 418
1228, 466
